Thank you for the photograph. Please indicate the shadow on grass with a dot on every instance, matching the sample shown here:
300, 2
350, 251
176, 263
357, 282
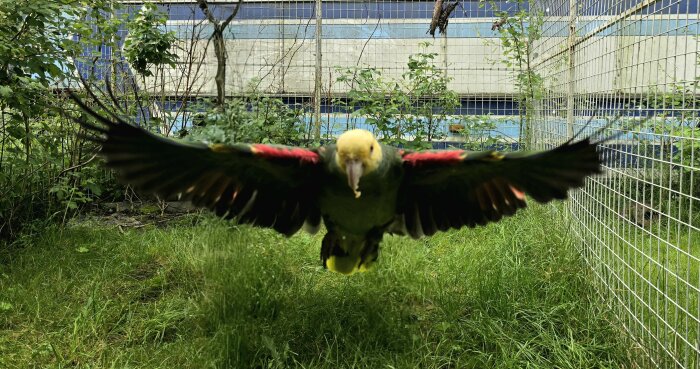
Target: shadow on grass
269, 313
511, 295
505, 296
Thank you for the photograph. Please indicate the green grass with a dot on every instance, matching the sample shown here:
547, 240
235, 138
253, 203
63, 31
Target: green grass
210, 295
652, 272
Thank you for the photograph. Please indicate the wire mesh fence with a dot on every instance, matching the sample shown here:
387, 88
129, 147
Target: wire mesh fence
638, 225
313, 60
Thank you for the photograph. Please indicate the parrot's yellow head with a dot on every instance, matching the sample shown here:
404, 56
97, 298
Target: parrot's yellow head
357, 153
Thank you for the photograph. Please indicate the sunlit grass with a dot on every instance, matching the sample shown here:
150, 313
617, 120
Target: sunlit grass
511, 295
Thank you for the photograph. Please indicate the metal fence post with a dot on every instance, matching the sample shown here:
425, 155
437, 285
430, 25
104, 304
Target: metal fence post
319, 71
571, 90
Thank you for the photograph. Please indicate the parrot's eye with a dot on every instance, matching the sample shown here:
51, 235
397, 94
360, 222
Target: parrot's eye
371, 148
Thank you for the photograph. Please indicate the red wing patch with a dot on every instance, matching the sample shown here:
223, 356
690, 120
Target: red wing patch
434, 157
303, 155
520, 195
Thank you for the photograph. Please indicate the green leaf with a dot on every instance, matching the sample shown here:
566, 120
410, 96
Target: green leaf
5, 91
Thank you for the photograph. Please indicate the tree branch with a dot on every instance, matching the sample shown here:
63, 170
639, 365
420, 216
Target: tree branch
77, 165
230, 17
20, 31
205, 9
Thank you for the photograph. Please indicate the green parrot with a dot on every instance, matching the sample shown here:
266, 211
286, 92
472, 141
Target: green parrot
359, 188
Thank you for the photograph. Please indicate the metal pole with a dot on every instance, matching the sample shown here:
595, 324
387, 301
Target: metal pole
283, 43
572, 69
444, 51
319, 71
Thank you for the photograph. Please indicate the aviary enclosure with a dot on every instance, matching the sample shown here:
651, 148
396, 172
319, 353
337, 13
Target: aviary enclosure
507, 75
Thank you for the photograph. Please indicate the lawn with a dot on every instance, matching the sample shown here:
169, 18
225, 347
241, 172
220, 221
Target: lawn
202, 293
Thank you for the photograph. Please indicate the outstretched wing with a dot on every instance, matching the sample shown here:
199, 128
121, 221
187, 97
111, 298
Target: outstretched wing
454, 188
264, 185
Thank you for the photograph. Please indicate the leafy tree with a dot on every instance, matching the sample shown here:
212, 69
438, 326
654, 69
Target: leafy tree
408, 111
430, 99
518, 33
33, 44
253, 118
219, 46
39, 147
147, 45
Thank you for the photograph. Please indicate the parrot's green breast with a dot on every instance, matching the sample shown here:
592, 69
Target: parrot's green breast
374, 208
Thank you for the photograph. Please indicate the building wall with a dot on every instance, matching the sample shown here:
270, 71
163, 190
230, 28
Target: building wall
272, 43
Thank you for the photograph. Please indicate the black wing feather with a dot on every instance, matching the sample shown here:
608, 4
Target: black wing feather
451, 189
236, 182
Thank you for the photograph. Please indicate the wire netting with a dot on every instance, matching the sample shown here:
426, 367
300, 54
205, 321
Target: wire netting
273, 48
600, 62
637, 225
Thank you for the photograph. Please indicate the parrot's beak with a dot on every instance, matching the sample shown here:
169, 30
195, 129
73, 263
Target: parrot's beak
353, 169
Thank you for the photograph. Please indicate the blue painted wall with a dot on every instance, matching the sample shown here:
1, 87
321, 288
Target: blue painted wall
413, 9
